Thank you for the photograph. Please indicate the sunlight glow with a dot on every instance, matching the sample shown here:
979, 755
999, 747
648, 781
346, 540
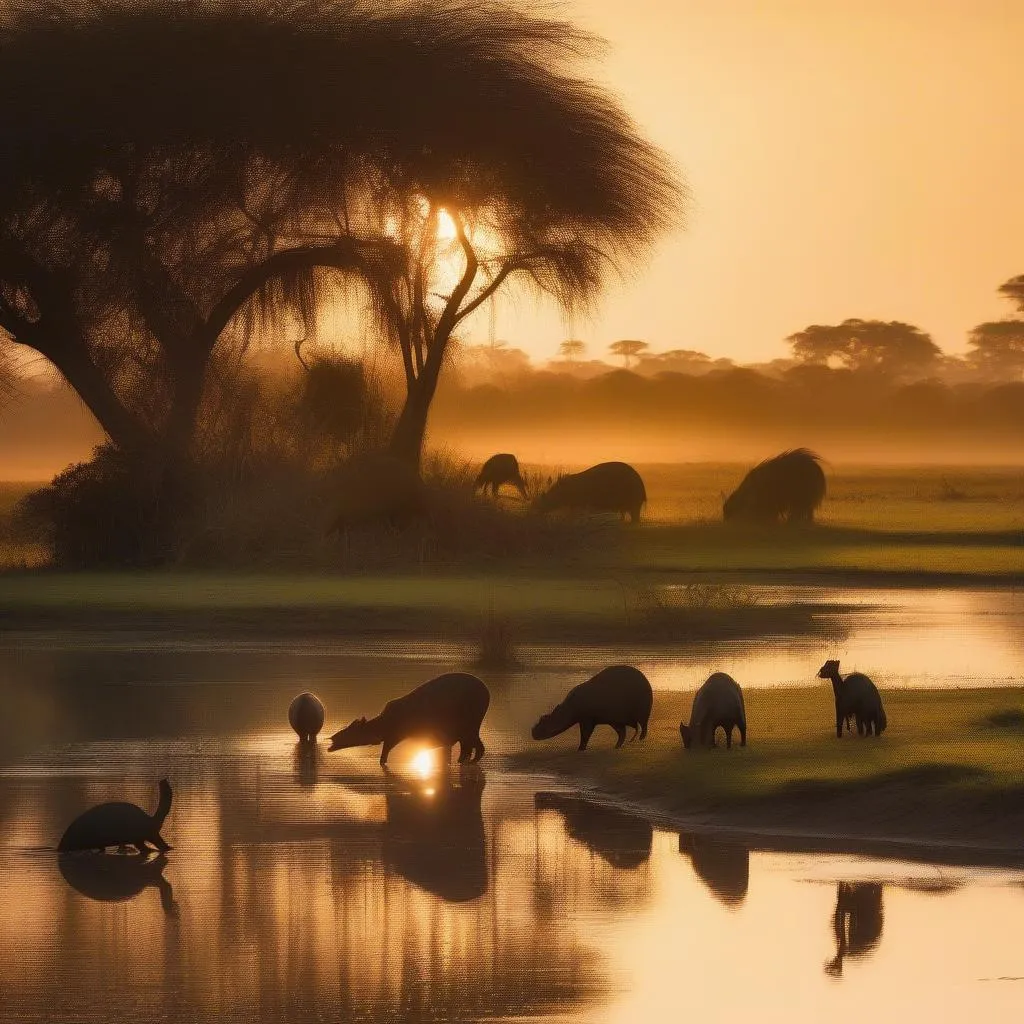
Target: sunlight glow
445, 226
423, 764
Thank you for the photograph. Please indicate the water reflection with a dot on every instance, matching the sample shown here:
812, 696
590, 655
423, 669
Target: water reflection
621, 839
308, 758
115, 878
721, 864
857, 922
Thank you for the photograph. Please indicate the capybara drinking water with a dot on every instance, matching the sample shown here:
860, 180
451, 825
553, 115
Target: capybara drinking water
717, 704
443, 711
498, 470
607, 487
858, 696
619, 696
788, 487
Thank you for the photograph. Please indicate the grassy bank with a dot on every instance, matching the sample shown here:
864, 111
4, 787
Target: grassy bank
949, 769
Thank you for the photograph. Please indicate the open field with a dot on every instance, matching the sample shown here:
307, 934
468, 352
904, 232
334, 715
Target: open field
948, 769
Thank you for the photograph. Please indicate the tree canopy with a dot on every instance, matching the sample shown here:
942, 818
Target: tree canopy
888, 347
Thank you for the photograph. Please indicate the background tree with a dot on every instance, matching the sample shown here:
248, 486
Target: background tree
571, 349
890, 348
997, 346
1014, 291
627, 350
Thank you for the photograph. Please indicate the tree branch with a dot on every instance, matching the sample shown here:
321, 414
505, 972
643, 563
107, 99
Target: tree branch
450, 316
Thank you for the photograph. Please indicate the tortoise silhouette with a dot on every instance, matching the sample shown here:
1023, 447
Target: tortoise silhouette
118, 824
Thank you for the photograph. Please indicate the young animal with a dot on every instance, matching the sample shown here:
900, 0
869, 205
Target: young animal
443, 711
855, 696
498, 470
607, 487
788, 487
118, 824
718, 703
619, 696
306, 716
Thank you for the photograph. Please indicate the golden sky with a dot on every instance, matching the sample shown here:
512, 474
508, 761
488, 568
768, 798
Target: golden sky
848, 158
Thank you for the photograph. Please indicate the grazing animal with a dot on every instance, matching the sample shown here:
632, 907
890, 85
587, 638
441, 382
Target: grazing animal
443, 711
857, 922
856, 696
717, 704
788, 487
721, 864
498, 470
621, 839
619, 696
377, 490
306, 716
608, 487
112, 879
119, 824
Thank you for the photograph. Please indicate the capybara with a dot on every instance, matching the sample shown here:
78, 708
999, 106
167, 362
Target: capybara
619, 696
378, 490
858, 696
607, 487
717, 704
788, 487
306, 716
443, 711
498, 470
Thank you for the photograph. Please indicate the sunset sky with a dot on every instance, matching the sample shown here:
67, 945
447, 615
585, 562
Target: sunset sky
846, 157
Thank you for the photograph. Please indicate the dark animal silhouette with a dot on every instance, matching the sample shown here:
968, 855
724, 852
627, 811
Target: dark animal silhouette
119, 824
608, 487
498, 470
717, 704
721, 864
855, 696
619, 696
622, 840
857, 922
378, 490
434, 835
788, 487
443, 711
109, 878
306, 716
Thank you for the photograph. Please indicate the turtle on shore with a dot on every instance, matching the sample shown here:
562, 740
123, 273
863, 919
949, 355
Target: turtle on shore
118, 824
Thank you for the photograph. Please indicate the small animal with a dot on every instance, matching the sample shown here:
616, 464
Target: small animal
858, 696
717, 704
607, 487
788, 487
498, 470
443, 711
119, 824
619, 696
306, 716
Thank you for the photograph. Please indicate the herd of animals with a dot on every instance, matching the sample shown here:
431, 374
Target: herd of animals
450, 709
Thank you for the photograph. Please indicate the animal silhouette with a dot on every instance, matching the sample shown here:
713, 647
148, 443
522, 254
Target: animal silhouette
607, 487
442, 711
619, 696
306, 716
621, 839
110, 878
498, 470
788, 487
855, 696
119, 824
721, 864
718, 704
857, 922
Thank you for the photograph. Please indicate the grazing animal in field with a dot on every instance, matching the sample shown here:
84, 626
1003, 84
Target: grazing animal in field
108, 878
619, 696
306, 716
721, 864
789, 487
857, 922
607, 487
119, 824
717, 704
856, 696
621, 839
378, 490
498, 470
443, 711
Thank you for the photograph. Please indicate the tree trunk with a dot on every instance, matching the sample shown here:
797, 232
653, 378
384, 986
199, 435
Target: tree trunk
411, 429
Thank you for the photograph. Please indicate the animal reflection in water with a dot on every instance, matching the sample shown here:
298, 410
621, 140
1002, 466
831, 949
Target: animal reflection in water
308, 757
857, 922
622, 839
722, 865
434, 833
116, 878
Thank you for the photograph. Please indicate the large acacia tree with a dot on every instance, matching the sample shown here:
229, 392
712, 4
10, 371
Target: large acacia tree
178, 174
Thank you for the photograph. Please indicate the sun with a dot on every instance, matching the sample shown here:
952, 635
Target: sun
446, 231
423, 764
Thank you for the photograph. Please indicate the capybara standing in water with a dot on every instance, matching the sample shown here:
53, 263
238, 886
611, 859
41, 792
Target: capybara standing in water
306, 716
789, 487
717, 704
619, 696
858, 696
443, 711
607, 487
498, 470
